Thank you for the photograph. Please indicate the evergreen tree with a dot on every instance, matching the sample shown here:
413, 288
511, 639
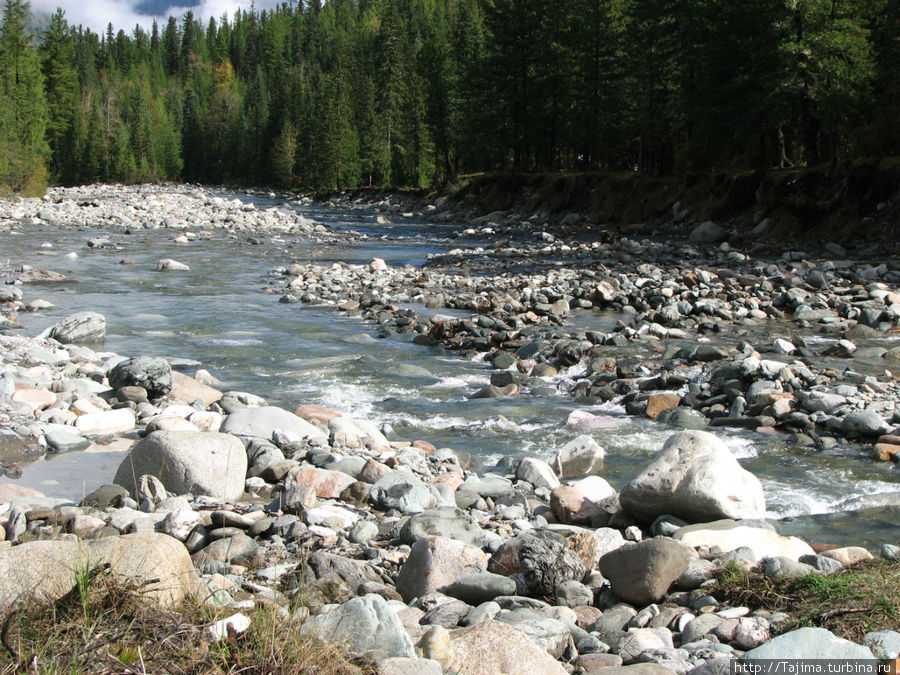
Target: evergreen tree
23, 111
62, 95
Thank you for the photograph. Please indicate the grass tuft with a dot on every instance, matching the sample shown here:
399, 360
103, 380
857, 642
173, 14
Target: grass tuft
108, 626
850, 602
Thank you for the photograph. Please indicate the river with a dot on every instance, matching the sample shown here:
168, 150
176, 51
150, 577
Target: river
219, 315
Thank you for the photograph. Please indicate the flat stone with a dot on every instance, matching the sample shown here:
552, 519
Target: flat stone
729, 535
81, 327
316, 414
36, 399
478, 587
105, 422
453, 523
848, 555
496, 647
659, 402
186, 388
326, 484
267, 421
808, 643
65, 441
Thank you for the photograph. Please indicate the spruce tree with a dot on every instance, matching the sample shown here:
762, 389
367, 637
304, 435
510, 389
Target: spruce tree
24, 152
63, 97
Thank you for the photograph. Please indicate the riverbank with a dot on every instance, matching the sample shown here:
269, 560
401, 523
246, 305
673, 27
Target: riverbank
855, 205
398, 548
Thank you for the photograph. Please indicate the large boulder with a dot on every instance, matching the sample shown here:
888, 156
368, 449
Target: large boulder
808, 643
729, 535
44, 571
267, 421
362, 624
642, 573
152, 373
81, 327
188, 462
434, 562
694, 477
496, 647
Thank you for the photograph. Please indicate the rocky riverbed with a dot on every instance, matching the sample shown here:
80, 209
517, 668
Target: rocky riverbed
399, 548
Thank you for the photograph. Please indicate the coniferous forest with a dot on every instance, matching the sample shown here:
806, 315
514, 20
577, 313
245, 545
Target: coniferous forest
418, 92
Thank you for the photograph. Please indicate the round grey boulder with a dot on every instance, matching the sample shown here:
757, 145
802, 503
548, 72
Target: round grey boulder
642, 573
188, 462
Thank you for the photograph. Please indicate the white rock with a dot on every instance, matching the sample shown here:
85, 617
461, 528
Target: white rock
180, 523
331, 515
537, 472
729, 535
169, 265
206, 420
694, 477
595, 488
105, 422
233, 625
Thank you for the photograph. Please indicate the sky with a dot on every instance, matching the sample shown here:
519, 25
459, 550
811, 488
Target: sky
125, 14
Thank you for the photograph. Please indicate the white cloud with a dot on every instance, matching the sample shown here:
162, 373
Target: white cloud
96, 14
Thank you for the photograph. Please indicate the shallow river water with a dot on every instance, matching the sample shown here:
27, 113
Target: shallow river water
218, 315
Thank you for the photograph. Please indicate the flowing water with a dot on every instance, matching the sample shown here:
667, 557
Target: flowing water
218, 315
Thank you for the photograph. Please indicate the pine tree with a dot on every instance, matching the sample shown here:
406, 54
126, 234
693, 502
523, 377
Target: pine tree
63, 96
23, 111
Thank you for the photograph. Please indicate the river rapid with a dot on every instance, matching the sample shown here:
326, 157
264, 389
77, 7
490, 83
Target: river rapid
225, 315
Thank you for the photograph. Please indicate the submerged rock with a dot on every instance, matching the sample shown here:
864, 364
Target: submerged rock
81, 327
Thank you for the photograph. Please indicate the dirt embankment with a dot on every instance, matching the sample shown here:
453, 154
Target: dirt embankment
855, 204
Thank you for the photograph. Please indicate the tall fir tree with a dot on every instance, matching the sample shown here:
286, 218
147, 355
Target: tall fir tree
24, 152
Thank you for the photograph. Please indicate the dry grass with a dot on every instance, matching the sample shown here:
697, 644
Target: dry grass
850, 602
105, 626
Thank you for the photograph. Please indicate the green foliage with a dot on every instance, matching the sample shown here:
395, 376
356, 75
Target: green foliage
418, 92
850, 602
23, 116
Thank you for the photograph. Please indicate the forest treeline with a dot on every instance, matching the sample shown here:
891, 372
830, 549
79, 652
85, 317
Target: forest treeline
418, 92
